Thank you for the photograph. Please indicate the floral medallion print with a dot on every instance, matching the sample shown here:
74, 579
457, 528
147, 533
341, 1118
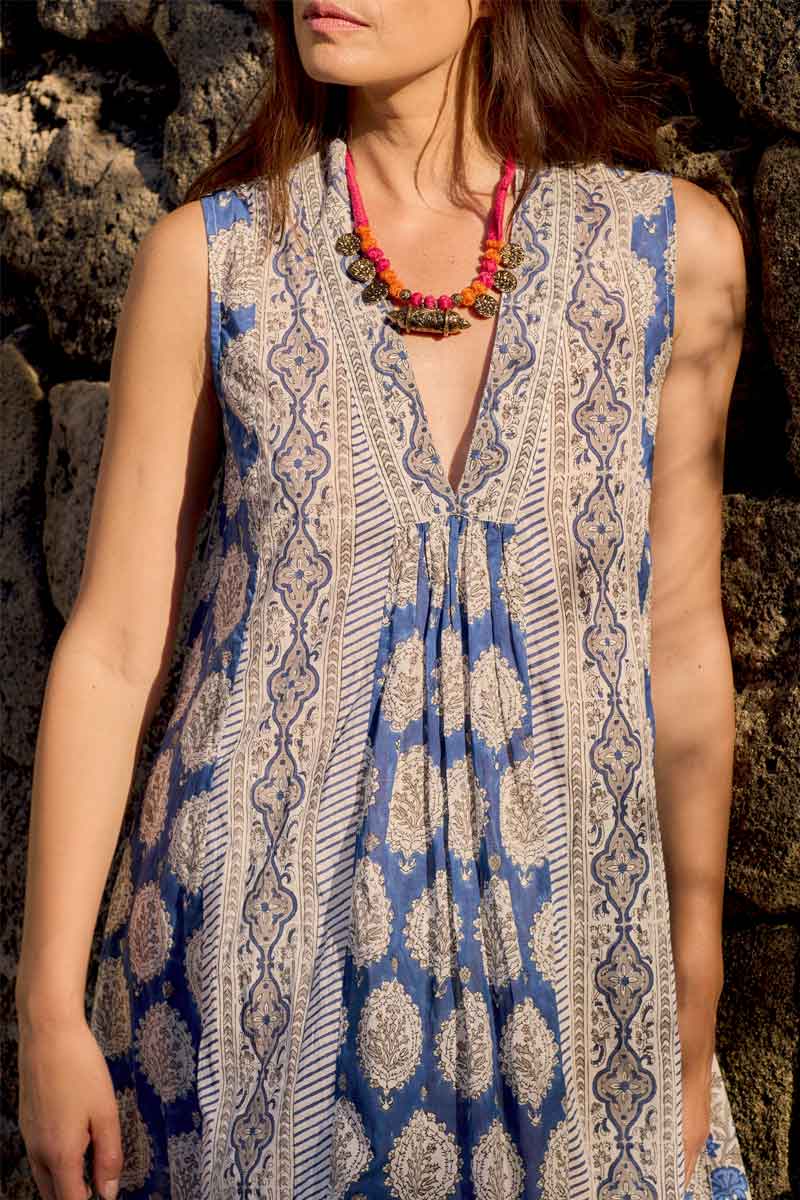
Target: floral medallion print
200, 733
119, 904
389, 1039
153, 812
511, 586
165, 1052
474, 584
467, 812
416, 805
554, 1178
434, 928
149, 933
232, 490
542, 941
187, 841
194, 966
183, 1155
497, 699
190, 677
450, 683
231, 591
350, 1149
137, 1147
242, 378
528, 1055
404, 689
464, 1046
425, 1161
435, 547
403, 569
371, 914
496, 930
522, 821
111, 1010
450, 870
498, 1172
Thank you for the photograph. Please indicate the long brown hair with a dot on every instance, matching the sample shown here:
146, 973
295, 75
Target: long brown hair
550, 90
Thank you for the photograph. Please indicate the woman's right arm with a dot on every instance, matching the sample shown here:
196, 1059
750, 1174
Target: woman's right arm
160, 454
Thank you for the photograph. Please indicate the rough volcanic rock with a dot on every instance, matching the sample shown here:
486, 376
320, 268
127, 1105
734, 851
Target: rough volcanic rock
74, 205
756, 45
102, 19
758, 1031
26, 629
761, 583
221, 59
776, 193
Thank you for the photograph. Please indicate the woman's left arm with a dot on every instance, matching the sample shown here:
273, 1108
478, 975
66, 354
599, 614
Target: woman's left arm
692, 682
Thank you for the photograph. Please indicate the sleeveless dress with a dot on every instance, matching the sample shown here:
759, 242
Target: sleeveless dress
393, 919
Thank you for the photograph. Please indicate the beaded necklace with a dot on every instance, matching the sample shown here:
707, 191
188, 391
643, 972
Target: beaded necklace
414, 312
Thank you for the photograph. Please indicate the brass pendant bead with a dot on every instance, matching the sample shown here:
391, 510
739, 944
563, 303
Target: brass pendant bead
485, 305
362, 270
377, 290
504, 281
413, 318
511, 255
348, 243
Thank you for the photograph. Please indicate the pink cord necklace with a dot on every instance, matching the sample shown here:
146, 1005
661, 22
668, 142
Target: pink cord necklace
415, 312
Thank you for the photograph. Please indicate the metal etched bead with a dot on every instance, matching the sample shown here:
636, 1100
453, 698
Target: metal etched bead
457, 299
504, 281
362, 270
348, 243
405, 294
511, 255
376, 290
485, 305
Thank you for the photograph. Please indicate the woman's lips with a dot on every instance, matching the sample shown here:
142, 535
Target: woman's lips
328, 17
320, 24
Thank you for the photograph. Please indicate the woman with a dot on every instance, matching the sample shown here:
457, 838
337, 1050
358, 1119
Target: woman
399, 915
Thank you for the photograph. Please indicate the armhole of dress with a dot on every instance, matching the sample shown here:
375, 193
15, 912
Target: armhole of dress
670, 252
209, 207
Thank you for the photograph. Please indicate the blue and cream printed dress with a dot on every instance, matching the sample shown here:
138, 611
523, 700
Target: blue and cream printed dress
393, 919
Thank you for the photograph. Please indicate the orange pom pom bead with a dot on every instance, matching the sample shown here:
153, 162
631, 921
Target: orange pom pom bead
468, 296
477, 287
493, 254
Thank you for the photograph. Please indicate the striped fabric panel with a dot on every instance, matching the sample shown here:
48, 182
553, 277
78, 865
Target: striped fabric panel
336, 827
216, 846
549, 721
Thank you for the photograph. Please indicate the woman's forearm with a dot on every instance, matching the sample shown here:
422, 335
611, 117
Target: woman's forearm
694, 712
90, 730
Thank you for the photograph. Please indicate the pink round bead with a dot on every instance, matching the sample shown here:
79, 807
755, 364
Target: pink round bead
486, 278
383, 264
489, 264
445, 302
374, 253
416, 299
430, 302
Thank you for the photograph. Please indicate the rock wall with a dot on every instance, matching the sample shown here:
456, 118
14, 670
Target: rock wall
110, 107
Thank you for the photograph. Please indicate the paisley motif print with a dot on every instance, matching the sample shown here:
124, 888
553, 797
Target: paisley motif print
371, 915
464, 1046
447, 1008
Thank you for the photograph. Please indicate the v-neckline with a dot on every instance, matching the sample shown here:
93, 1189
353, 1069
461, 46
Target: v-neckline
396, 340
381, 331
